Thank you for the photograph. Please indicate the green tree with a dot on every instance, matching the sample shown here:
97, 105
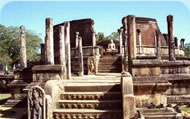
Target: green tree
10, 45
113, 36
187, 49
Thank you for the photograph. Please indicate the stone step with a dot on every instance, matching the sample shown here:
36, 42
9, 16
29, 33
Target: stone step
158, 113
160, 117
89, 104
94, 87
91, 96
109, 67
86, 114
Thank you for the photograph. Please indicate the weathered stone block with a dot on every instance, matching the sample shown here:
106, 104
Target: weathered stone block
129, 106
146, 71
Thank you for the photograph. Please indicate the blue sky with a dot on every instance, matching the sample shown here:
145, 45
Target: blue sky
107, 15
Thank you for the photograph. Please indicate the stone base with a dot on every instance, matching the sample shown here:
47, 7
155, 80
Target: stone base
16, 87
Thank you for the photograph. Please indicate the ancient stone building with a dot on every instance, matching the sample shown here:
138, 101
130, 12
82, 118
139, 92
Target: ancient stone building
135, 77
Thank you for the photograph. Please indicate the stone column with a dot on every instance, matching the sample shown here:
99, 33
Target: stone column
171, 38
49, 42
131, 40
76, 42
120, 40
140, 41
176, 42
158, 40
182, 41
94, 38
80, 56
62, 46
42, 53
67, 49
23, 60
124, 58
94, 42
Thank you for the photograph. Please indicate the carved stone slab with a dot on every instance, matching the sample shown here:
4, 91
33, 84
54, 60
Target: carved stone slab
36, 103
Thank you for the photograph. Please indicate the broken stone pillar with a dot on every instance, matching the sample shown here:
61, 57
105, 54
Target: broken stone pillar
176, 42
124, 58
158, 40
49, 42
42, 53
80, 56
182, 41
23, 60
76, 42
94, 38
67, 49
171, 38
140, 40
128, 98
120, 41
62, 59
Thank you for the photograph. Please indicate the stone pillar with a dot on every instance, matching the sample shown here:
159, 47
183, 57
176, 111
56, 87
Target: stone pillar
171, 38
42, 53
176, 42
120, 41
80, 56
23, 60
158, 40
139, 40
131, 40
94, 42
49, 42
94, 38
128, 98
182, 41
124, 59
62, 59
76, 42
67, 49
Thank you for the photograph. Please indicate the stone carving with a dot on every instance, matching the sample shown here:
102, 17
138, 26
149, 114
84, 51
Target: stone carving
36, 103
91, 65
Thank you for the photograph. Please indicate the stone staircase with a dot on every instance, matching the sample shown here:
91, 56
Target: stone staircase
110, 64
159, 113
89, 100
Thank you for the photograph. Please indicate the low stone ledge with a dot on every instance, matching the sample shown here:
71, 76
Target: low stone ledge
177, 77
47, 68
143, 63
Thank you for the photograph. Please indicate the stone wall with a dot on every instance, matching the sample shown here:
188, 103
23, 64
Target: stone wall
85, 29
148, 27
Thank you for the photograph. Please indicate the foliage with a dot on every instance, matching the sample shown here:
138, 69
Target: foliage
112, 36
10, 45
187, 49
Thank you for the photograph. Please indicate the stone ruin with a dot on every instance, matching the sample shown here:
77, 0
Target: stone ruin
78, 79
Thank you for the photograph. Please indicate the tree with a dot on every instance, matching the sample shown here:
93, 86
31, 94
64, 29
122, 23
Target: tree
10, 45
112, 36
187, 49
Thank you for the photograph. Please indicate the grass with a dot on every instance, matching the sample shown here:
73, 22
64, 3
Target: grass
185, 109
4, 97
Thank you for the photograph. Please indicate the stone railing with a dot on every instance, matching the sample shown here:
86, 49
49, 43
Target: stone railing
128, 98
87, 51
152, 51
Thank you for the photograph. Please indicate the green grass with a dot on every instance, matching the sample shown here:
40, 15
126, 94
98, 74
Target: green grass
4, 97
185, 109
